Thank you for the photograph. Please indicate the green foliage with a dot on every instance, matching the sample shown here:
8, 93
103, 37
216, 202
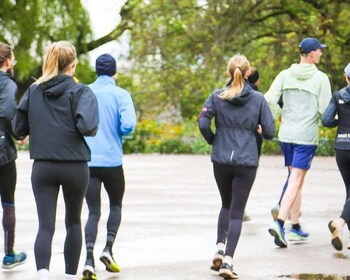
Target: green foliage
30, 26
153, 137
180, 48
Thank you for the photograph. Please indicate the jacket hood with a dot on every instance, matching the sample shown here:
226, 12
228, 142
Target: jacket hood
345, 94
57, 85
303, 71
243, 97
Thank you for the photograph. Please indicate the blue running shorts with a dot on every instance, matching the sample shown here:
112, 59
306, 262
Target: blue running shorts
298, 156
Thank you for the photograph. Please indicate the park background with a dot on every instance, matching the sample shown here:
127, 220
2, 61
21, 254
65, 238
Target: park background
172, 54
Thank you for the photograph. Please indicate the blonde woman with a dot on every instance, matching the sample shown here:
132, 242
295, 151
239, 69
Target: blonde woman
238, 110
56, 112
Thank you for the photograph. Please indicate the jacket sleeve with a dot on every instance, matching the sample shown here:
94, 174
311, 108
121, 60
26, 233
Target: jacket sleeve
127, 114
86, 112
328, 117
325, 94
8, 100
273, 95
266, 121
204, 119
20, 125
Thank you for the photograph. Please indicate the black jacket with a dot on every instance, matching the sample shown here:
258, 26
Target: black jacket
8, 96
339, 104
236, 122
56, 115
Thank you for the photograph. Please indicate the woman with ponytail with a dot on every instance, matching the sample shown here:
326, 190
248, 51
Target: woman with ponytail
56, 112
238, 111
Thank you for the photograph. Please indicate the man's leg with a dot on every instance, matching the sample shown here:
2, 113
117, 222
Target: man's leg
290, 197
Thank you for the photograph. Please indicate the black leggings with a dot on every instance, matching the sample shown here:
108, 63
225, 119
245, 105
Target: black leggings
8, 176
234, 185
114, 183
343, 162
47, 177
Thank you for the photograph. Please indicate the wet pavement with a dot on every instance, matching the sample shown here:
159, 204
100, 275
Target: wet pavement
168, 230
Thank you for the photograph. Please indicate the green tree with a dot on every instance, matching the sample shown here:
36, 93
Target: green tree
180, 48
29, 26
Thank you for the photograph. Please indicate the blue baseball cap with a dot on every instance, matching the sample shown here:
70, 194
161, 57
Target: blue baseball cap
310, 44
347, 70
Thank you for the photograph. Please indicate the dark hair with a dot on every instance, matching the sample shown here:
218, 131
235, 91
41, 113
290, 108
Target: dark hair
254, 75
5, 53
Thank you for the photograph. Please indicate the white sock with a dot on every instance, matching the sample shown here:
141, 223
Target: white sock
43, 274
221, 246
70, 277
227, 259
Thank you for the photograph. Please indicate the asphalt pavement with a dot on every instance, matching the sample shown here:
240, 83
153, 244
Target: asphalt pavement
168, 228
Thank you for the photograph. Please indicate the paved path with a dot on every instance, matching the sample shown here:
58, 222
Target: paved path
169, 223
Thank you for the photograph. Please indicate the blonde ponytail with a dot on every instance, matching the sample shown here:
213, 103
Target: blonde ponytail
237, 68
57, 60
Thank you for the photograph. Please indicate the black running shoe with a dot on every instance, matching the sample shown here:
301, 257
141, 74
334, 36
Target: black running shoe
227, 272
217, 260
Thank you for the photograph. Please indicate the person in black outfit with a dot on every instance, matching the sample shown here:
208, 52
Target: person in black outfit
238, 110
338, 114
56, 112
8, 155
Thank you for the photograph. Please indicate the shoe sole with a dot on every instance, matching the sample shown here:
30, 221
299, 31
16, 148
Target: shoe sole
217, 261
297, 238
13, 265
109, 265
278, 241
227, 274
336, 239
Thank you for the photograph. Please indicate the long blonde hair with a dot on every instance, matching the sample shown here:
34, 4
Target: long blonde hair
59, 57
237, 68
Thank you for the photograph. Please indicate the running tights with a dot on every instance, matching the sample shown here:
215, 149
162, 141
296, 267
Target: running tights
47, 177
343, 162
114, 183
234, 185
7, 192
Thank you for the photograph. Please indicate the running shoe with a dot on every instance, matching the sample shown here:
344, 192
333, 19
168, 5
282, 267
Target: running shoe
275, 211
297, 235
337, 240
217, 260
109, 262
278, 233
89, 273
12, 260
227, 272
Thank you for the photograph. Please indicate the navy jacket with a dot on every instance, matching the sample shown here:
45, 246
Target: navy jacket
339, 104
236, 122
8, 96
56, 115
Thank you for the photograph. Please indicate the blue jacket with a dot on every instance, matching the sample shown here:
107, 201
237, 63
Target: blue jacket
339, 104
117, 118
236, 122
